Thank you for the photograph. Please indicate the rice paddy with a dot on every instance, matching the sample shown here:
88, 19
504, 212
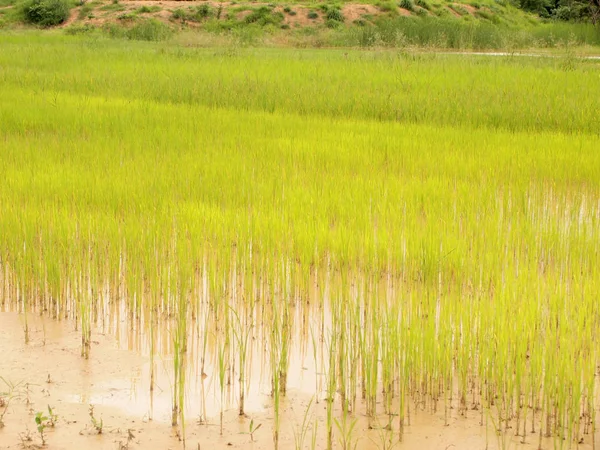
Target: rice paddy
389, 234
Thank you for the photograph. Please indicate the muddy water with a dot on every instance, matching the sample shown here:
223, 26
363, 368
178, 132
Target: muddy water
50, 371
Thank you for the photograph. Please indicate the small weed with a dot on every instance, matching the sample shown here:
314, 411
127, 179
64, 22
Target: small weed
312, 15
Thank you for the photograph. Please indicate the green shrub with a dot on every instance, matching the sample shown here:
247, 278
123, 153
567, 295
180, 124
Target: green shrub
194, 14
333, 23
179, 14
148, 9
423, 4
203, 11
568, 12
46, 13
264, 16
312, 15
334, 13
407, 4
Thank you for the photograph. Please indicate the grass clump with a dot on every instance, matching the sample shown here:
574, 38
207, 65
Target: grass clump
114, 6
46, 13
150, 30
387, 6
144, 30
79, 29
148, 9
127, 17
312, 15
85, 11
458, 9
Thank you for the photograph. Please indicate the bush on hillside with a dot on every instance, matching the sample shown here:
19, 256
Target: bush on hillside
46, 13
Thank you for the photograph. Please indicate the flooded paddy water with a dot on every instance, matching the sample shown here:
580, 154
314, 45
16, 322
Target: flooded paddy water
128, 379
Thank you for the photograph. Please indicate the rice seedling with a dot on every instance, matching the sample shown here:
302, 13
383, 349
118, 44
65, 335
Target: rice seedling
429, 232
301, 430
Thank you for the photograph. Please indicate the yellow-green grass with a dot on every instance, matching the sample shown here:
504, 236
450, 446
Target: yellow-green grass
445, 209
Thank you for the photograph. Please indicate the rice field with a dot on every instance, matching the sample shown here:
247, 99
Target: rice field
387, 233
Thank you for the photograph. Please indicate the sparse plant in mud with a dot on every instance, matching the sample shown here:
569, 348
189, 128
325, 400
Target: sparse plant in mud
301, 430
98, 425
41, 424
10, 392
385, 439
51, 418
345, 428
252, 428
43, 421
26, 439
125, 445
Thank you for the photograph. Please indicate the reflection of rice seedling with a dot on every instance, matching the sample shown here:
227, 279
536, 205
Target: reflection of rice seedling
222, 371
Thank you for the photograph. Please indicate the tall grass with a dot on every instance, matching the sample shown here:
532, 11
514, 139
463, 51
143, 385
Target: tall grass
435, 219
